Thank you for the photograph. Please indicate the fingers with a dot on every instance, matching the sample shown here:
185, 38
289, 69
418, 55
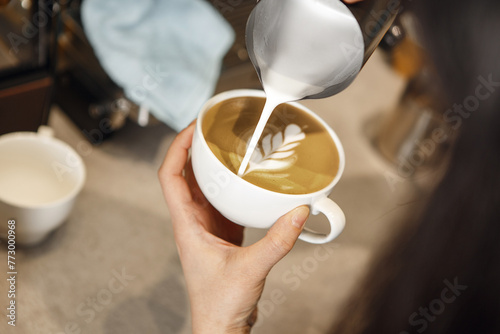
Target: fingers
196, 192
170, 174
280, 238
177, 154
175, 188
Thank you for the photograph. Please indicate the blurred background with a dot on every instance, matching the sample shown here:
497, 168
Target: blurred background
113, 266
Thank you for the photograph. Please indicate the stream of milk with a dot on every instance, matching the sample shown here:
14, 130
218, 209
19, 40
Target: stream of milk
279, 89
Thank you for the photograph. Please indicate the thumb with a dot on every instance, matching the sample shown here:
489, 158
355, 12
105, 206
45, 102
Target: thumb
280, 238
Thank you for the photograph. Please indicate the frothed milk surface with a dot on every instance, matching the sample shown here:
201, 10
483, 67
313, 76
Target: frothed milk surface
295, 154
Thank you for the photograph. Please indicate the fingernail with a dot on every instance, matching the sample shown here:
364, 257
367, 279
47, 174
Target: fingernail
299, 217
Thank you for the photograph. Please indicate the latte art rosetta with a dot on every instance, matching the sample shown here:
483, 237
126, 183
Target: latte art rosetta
295, 154
276, 151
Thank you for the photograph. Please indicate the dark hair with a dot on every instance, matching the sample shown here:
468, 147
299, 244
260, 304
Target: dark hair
442, 274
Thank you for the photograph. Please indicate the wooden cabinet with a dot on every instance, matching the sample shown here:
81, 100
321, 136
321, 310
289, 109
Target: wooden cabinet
25, 106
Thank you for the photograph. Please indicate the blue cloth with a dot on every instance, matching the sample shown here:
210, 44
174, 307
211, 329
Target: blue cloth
165, 54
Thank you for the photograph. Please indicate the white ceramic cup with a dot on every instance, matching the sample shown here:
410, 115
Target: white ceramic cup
40, 177
249, 205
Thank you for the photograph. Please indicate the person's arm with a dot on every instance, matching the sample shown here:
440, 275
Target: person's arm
224, 280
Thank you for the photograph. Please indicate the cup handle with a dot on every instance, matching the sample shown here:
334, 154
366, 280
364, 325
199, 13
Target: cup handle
335, 216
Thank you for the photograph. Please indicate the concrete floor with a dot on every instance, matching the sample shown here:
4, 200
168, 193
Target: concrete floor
120, 231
